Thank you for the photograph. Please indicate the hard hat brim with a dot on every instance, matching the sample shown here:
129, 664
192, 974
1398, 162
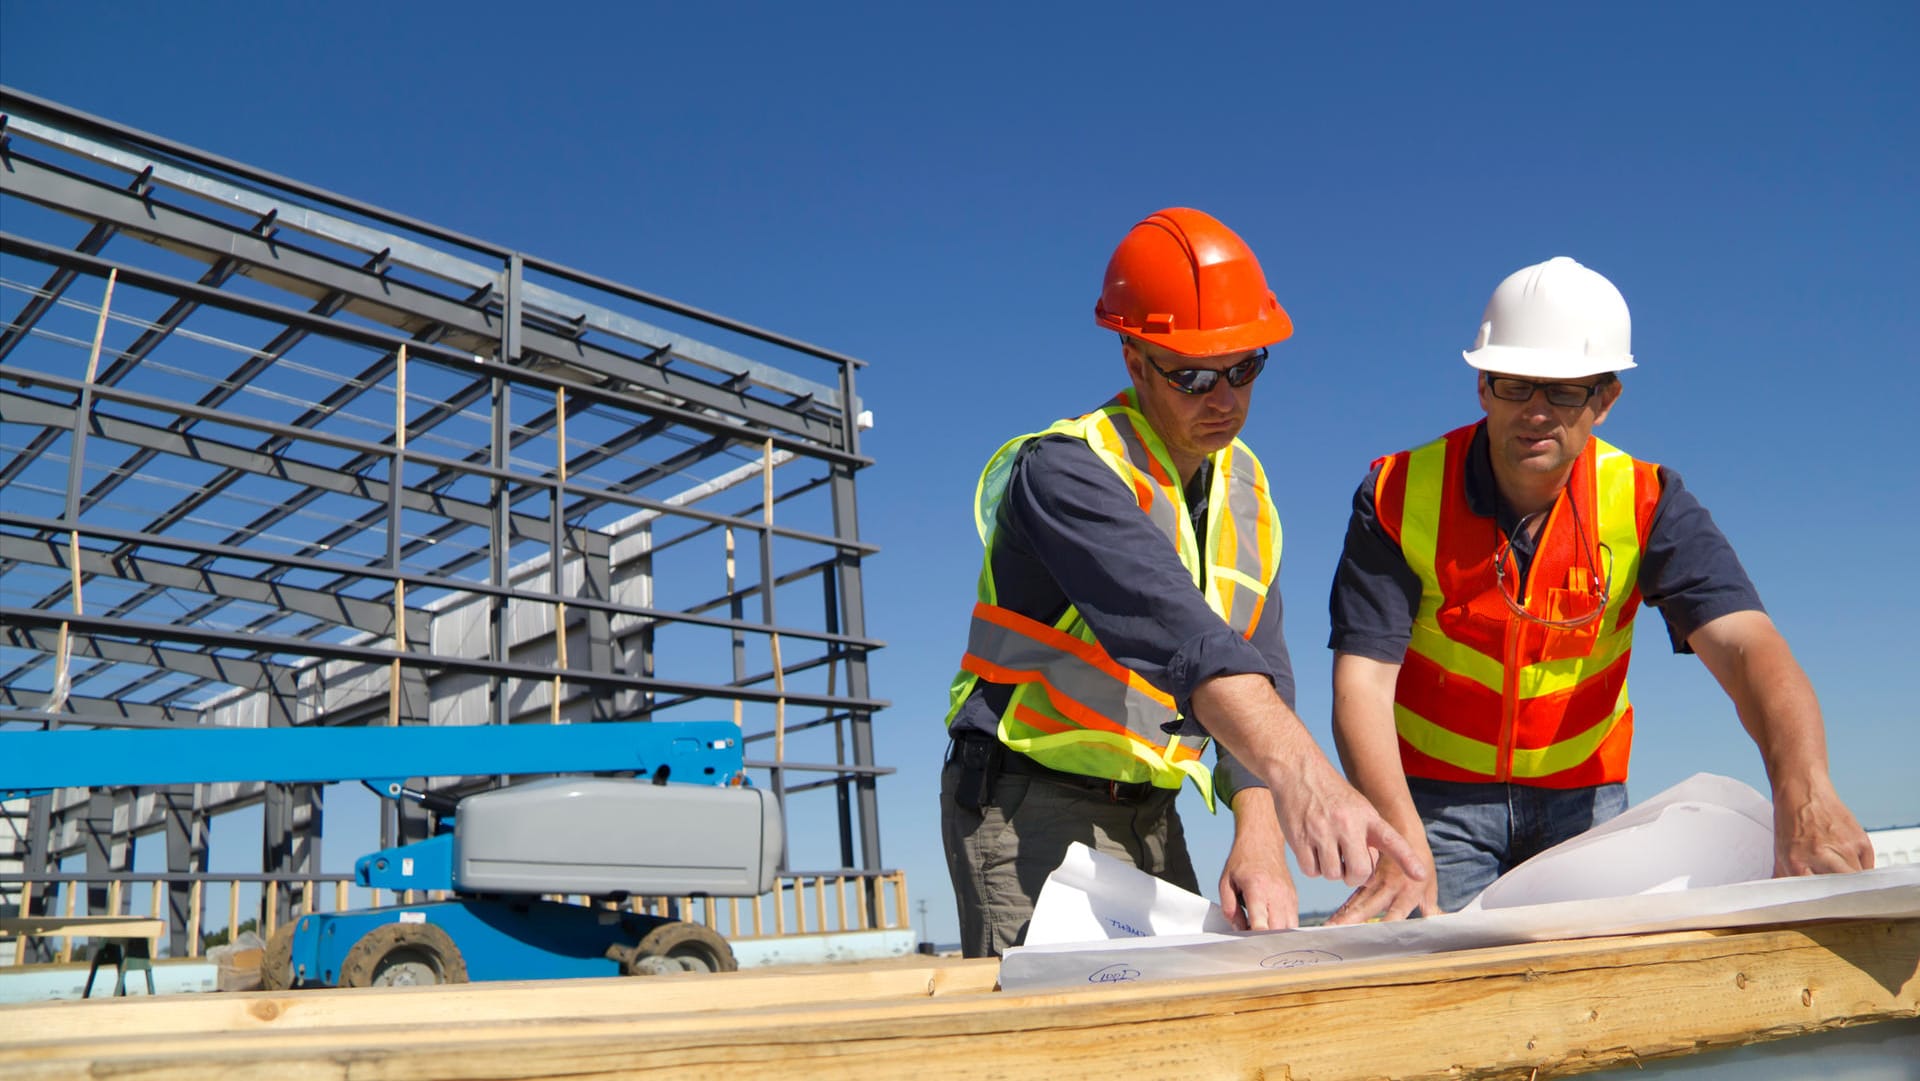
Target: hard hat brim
1543, 363
1272, 326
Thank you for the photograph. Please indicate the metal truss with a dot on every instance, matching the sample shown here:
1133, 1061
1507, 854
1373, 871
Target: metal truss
271, 456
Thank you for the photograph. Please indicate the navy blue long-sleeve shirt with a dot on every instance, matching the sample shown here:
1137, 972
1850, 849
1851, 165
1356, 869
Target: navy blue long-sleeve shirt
1070, 532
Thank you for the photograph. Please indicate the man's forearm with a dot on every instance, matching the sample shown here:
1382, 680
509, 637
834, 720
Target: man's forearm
1334, 831
1771, 693
1244, 714
1813, 829
1363, 734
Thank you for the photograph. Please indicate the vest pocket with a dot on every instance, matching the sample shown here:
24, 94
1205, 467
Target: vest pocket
1566, 643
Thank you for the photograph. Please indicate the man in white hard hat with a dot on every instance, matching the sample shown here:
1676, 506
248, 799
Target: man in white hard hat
1484, 607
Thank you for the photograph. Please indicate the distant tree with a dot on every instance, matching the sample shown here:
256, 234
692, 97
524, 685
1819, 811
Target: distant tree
225, 934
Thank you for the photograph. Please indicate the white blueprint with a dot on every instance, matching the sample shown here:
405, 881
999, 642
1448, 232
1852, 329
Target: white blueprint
1696, 856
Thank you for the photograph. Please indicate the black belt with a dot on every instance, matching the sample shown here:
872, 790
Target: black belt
1011, 761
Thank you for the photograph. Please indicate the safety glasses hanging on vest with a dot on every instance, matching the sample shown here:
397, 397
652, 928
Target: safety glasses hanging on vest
1202, 380
1600, 582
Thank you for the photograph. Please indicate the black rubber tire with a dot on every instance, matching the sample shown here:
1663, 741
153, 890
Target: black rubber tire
276, 960
403, 954
674, 948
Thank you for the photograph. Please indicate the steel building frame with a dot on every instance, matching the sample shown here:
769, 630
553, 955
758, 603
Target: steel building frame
269, 455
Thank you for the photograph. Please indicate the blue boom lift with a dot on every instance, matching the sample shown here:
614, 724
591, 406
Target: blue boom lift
682, 825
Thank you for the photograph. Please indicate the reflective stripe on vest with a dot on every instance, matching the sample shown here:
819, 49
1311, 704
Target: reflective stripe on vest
1074, 707
1484, 695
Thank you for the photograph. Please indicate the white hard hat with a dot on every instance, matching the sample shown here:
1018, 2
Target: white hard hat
1554, 320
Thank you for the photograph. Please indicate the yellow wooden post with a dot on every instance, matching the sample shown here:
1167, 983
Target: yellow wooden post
26, 907
773, 640
399, 587
159, 913
553, 578
738, 720
193, 918
63, 648
66, 944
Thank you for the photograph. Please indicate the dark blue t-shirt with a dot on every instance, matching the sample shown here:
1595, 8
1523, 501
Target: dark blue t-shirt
1688, 570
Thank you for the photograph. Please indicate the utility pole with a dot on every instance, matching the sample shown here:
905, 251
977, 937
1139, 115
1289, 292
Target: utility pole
926, 941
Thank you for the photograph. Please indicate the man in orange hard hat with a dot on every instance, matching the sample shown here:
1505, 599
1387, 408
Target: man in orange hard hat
1129, 611
1484, 607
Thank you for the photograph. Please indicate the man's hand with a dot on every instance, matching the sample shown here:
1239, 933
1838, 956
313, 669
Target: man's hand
1815, 834
1390, 894
1334, 831
1363, 732
1256, 889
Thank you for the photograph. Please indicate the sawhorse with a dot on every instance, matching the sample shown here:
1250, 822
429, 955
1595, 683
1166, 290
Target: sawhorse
122, 954
126, 942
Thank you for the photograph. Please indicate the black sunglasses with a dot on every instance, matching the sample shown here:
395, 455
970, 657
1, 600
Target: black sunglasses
1563, 395
1202, 380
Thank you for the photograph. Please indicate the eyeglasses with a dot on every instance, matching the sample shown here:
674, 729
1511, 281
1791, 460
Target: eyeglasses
1599, 576
1202, 380
1565, 395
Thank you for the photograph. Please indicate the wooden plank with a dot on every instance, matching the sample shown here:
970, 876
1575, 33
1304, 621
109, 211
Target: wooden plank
1556, 1008
102, 926
894, 980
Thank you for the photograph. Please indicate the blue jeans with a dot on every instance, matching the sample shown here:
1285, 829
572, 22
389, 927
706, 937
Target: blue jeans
1479, 832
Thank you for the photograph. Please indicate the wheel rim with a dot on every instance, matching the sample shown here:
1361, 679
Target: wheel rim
395, 955
693, 959
674, 947
409, 968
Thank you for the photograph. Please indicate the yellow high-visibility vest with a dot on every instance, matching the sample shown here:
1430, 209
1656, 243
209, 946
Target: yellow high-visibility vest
1073, 706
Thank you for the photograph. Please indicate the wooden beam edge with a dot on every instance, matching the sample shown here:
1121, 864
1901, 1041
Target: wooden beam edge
1605, 1010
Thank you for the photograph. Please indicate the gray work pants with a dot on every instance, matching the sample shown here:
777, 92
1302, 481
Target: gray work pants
1000, 855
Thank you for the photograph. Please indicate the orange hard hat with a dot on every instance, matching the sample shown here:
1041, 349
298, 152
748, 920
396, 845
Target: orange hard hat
1183, 281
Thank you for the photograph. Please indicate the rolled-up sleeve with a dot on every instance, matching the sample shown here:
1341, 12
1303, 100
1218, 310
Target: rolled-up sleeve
1230, 775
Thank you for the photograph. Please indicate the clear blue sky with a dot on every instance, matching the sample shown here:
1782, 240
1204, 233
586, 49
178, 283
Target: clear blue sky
937, 192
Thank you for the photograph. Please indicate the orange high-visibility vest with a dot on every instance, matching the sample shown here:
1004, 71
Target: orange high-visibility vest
1483, 694
1073, 706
